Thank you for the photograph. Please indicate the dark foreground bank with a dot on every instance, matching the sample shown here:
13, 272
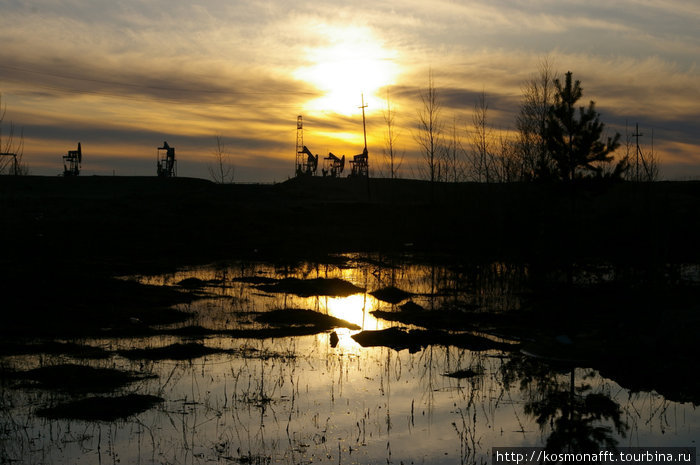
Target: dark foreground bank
121, 223
65, 238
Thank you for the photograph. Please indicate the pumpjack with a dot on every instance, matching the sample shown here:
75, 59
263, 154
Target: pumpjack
167, 165
360, 164
334, 165
72, 161
306, 166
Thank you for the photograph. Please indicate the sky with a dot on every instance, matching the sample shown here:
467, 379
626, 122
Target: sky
122, 76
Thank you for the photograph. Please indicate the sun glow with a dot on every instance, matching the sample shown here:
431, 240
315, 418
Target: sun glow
355, 309
353, 63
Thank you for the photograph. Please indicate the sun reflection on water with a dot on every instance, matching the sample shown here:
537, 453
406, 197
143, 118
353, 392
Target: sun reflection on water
352, 308
303, 399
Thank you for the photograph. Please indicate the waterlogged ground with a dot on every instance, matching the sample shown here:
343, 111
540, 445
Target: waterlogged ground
240, 383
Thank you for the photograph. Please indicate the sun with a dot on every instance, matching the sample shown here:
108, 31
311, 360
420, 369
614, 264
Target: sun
352, 63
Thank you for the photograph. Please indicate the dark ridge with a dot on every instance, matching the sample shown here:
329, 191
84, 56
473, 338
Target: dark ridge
391, 294
414, 340
107, 409
77, 378
192, 283
187, 351
463, 374
82, 351
255, 280
81, 305
312, 287
301, 317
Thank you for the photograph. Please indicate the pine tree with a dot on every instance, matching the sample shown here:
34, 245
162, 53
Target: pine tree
575, 140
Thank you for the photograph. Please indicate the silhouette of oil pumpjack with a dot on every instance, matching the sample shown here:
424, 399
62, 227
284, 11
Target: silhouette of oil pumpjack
307, 163
334, 165
308, 166
167, 165
72, 161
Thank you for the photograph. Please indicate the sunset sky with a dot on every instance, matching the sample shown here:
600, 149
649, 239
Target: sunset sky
122, 76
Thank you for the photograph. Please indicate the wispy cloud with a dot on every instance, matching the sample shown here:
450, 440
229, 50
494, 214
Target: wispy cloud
127, 74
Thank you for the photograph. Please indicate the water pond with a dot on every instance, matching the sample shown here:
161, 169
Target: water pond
322, 363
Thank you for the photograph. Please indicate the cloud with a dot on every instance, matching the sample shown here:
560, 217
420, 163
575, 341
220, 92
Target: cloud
133, 71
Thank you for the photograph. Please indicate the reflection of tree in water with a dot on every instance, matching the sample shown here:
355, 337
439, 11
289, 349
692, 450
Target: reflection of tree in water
579, 418
475, 400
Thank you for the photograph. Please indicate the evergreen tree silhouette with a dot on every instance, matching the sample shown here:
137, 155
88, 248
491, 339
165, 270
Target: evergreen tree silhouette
574, 138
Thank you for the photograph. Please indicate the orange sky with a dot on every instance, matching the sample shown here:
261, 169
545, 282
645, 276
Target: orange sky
123, 77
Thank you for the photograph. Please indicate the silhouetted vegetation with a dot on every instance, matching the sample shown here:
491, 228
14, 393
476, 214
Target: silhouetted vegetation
531, 124
556, 139
393, 157
576, 418
430, 132
221, 169
575, 143
11, 147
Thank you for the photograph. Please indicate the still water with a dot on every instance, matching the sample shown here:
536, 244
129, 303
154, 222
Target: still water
318, 399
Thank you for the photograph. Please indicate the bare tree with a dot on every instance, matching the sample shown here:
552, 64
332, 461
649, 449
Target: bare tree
430, 126
221, 169
508, 164
392, 157
11, 148
652, 159
454, 164
531, 123
480, 161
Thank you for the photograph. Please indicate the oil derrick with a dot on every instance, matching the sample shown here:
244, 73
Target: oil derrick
72, 161
167, 165
360, 162
306, 163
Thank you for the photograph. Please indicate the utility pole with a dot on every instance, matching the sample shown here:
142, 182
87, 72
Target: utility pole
637, 135
364, 127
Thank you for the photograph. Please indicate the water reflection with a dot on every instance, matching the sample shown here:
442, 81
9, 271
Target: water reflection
305, 400
574, 416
